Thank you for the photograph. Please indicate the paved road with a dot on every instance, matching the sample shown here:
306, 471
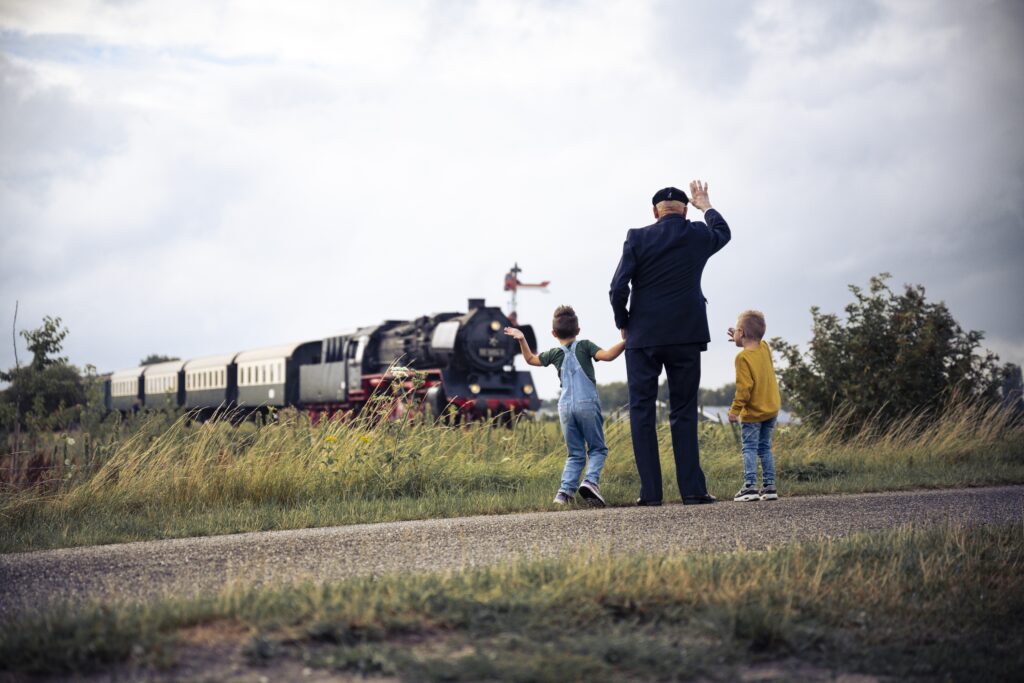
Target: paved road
189, 566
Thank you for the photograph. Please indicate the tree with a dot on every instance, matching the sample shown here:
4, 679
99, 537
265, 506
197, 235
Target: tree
46, 342
722, 396
46, 386
154, 358
613, 395
894, 355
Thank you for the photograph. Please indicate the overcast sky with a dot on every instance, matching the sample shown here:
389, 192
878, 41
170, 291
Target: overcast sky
192, 178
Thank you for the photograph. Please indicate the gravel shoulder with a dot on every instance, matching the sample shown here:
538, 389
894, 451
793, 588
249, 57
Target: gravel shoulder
191, 566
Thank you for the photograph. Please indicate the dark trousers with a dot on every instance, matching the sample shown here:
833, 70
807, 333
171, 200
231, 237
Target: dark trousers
682, 364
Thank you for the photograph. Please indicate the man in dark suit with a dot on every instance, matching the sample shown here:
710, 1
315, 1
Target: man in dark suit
666, 325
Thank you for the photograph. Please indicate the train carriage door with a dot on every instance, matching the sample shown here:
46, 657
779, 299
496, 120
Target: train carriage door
354, 363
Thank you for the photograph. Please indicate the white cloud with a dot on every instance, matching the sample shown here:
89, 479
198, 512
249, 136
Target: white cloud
194, 178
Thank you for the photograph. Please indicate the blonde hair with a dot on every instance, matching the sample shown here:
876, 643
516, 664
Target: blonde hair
752, 323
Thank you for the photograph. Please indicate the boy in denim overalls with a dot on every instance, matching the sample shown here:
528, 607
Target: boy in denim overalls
579, 409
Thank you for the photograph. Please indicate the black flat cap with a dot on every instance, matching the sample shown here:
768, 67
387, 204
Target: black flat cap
670, 194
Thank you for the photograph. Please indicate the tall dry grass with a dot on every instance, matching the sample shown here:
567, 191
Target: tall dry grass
163, 479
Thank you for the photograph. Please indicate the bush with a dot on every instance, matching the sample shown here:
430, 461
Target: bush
895, 355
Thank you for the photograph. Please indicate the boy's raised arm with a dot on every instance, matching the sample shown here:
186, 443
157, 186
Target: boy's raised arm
530, 356
612, 352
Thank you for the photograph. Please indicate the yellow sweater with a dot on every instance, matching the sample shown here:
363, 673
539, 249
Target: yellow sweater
757, 391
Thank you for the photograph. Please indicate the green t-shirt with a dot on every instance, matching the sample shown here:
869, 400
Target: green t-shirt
585, 350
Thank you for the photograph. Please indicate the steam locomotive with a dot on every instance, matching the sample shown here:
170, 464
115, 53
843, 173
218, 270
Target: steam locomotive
464, 362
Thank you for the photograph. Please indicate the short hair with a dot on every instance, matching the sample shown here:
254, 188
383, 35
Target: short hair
564, 323
753, 324
670, 206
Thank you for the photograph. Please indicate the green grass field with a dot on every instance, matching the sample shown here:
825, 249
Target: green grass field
941, 603
159, 478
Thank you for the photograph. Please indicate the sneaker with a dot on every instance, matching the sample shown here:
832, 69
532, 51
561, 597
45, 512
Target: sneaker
746, 494
592, 494
648, 503
561, 498
769, 492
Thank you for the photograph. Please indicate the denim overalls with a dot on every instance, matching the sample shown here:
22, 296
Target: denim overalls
579, 411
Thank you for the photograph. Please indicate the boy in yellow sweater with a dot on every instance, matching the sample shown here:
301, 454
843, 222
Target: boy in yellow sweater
756, 405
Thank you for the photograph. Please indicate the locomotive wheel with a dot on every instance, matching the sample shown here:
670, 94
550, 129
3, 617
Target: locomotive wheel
436, 402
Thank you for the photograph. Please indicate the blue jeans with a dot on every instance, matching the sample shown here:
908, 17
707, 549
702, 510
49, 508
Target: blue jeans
583, 429
757, 443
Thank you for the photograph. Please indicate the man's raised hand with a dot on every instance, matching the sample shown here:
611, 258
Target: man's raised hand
514, 332
699, 195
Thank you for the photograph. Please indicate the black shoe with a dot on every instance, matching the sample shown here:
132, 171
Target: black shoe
747, 494
648, 503
592, 494
706, 499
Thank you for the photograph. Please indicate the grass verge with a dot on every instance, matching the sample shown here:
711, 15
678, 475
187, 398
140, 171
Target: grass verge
162, 480
939, 603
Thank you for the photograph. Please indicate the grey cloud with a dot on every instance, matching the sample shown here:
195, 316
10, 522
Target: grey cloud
46, 132
698, 44
274, 214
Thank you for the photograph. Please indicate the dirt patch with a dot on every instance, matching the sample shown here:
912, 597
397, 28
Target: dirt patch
790, 669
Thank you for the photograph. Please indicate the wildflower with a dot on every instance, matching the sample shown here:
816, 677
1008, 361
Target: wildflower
364, 438
331, 439
70, 441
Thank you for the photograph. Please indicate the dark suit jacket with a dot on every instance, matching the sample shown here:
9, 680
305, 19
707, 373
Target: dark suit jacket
664, 263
